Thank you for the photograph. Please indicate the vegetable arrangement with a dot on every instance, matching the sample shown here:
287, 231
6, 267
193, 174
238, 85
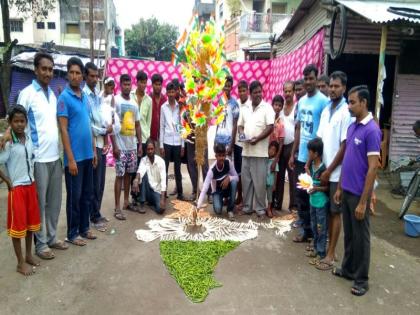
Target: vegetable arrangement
192, 264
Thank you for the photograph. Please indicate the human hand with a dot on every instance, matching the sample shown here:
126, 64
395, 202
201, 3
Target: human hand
253, 141
73, 168
109, 129
359, 213
140, 150
6, 138
273, 165
162, 203
225, 182
325, 176
337, 196
162, 152
135, 186
9, 184
116, 152
95, 160
292, 162
229, 150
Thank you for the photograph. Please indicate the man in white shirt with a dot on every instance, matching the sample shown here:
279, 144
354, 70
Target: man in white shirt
41, 105
335, 120
171, 142
151, 176
255, 125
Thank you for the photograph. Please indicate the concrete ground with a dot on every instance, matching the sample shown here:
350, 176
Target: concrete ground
117, 274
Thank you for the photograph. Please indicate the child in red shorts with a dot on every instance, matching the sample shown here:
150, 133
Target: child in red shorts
22, 207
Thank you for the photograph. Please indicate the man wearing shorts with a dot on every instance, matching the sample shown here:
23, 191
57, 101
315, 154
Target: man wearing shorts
126, 145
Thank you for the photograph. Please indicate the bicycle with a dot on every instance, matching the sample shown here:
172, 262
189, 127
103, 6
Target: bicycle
412, 190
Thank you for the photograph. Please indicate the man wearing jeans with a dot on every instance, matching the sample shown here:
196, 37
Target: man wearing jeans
255, 125
223, 179
151, 176
79, 154
358, 173
41, 105
309, 112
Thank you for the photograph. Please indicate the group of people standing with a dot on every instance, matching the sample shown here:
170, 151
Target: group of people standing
334, 140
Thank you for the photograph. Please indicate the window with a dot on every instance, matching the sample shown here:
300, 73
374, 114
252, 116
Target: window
16, 26
40, 25
72, 28
51, 25
221, 11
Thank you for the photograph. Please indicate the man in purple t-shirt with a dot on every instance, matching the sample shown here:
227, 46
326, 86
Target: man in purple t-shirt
358, 173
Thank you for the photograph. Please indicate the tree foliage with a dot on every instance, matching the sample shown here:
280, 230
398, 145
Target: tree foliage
35, 8
149, 38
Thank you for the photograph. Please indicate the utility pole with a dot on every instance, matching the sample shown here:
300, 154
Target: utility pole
91, 30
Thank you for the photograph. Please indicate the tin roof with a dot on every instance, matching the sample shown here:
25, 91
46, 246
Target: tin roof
384, 11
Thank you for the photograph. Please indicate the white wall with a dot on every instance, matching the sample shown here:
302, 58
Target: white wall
24, 37
46, 35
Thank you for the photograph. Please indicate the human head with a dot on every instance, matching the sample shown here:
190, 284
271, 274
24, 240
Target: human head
125, 84
299, 90
150, 148
17, 118
278, 102
170, 91
416, 128
337, 85
288, 91
315, 148
273, 148
310, 73
359, 98
109, 85
220, 153
255, 90
43, 68
75, 71
141, 79
177, 86
243, 91
322, 84
228, 85
91, 75
157, 81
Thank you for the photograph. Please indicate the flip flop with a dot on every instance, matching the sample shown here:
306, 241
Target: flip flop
338, 272
78, 241
301, 239
101, 227
60, 245
131, 207
89, 235
359, 290
46, 255
325, 265
119, 215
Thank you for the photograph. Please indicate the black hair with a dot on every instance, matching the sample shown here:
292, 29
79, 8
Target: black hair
254, 84
90, 66
274, 144
41, 55
324, 78
176, 83
278, 99
157, 78
416, 126
292, 83
310, 68
340, 75
170, 87
362, 93
298, 82
243, 84
219, 148
229, 79
125, 77
75, 61
316, 145
150, 141
141, 76
16, 109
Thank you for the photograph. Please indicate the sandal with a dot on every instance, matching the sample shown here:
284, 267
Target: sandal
300, 239
325, 265
60, 245
78, 241
338, 272
309, 248
119, 215
359, 290
131, 207
101, 227
46, 255
314, 261
311, 254
89, 235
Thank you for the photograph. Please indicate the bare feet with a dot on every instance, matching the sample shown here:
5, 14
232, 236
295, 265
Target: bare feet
31, 260
25, 269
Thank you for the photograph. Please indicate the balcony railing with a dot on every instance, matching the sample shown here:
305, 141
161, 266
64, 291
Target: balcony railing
261, 22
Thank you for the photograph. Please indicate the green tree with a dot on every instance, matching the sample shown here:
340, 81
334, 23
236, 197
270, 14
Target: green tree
36, 8
149, 38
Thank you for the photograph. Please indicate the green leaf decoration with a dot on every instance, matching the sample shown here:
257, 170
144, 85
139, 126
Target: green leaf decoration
192, 264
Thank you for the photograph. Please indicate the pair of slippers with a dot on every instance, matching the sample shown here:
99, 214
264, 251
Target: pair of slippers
357, 290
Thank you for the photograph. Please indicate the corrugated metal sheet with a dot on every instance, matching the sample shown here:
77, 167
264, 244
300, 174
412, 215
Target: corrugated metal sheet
406, 110
364, 37
377, 11
310, 23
